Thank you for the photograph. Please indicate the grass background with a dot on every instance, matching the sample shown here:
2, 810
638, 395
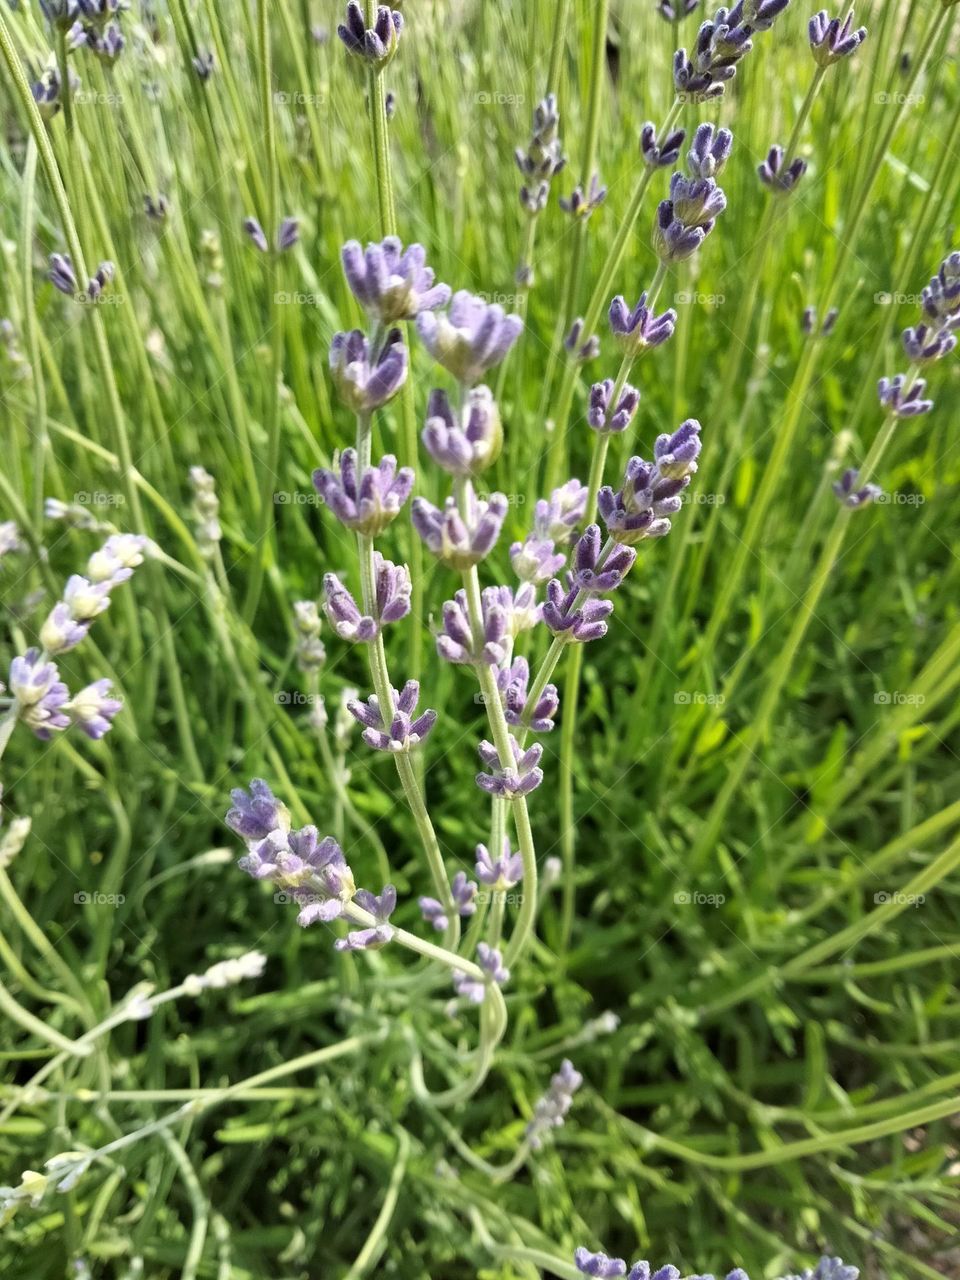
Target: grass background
782, 1076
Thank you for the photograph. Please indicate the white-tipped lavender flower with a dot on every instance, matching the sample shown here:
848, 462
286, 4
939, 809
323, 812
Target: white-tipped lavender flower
92, 709
833, 38
205, 510
456, 642
61, 14
381, 908
808, 322
709, 151
39, 693
536, 559
367, 380
924, 343
581, 623
582, 204
10, 539
393, 590
579, 348
463, 445
555, 517
376, 44
777, 178
502, 873
551, 1110
470, 338
589, 574
311, 654
463, 894
366, 503
850, 495
676, 454
256, 812
524, 776
899, 401
460, 540
61, 631
660, 153
491, 962
313, 870
392, 283
107, 45
673, 241
401, 733
513, 682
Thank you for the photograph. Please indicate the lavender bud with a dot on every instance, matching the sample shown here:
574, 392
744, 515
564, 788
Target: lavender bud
467, 447
288, 235
520, 779
589, 574
381, 908
61, 631
598, 1264
501, 873
580, 204
544, 157
470, 338
554, 517
924, 345
391, 283
941, 297
60, 13
833, 38
108, 45
463, 894
40, 696
364, 386
848, 493
663, 153
311, 654
901, 403
674, 10
829, 322
637, 330
402, 733
599, 416
697, 202
672, 240
491, 961
460, 541
584, 623
365, 503
581, 351
156, 208
257, 812
377, 44
709, 151
61, 274
205, 510
393, 589
456, 642
536, 560
775, 177
551, 1110
512, 682
203, 64
93, 710
676, 455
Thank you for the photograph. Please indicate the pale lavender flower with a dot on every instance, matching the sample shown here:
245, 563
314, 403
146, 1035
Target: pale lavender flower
609, 419
709, 151
86, 600
256, 234
393, 590
924, 344
491, 962
513, 682
851, 496
564, 617
63, 277
589, 574
579, 348
660, 153
598, 1264
460, 540
39, 693
61, 631
92, 709
256, 812
501, 873
637, 329
205, 509
366, 503
467, 444
463, 893
551, 1110
520, 606
556, 516
364, 380
392, 283
381, 908
116, 560
773, 175
543, 158
288, 234
828, 1269
901, 402
470, 338
519, 779
582, 204
47, 94
10, 540
376, 44
833, 38
107, 45
60, 13
402, 733
536, 559
99, 12
311, 654
456, 642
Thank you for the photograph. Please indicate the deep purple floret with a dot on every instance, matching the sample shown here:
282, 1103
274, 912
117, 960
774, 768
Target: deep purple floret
673, 240
376, 44
393, 590
709, 151
777, 178
456, 642
924, 344
850, 495
579, 348
580, 203
598, 1264
833, 38
256, 812
663, 152
589, 574
638, 328
460, 540
900, 402
583, 622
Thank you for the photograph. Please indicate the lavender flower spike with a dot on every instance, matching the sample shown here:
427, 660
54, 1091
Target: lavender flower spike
470, 338
672, 240
639, 329
513, 682
941, 297
463, 894
381, 908
400, 734
365, 383
924, 345
833, 38
456, 642
848, 493
288, 234
551, 1110
580, 623
709, 151
92, 709
460, 541
828, 1269
501, 873
40, 695
392, 283
777, 178
491, 962
901, 403
660, 153
376, 44
598, 1264
467, 446
366, 503
256, 234
519, 780
393, 590
588, 574
556, 516
676, 455
607, 418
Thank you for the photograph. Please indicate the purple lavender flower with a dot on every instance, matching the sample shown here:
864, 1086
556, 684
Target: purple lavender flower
366, 503
288, 234
513, 682
63, 277
564, 617
392, 283
709, 151
674, 10
501, 873
402, 733
721, 44
381, 908
833, 38
257, 812
86, 600
580, 349
556, 516
106, 45
673, 241
376, 44
470, 338
596, 576
301, 862
456, 642
99, 12
640, 328
660, 153
47, 92
92, 709
61, 631
519, 605
467, 446
543, 158
651, 491
582, 204
463, 893
39, 693
900, 402
777, 178
924, 344
808, 322
848, 493
676, 455
551, 1110
393, 590
460, 541
828, 1269
697, 202
365, 383
156, 207
941, 297
491, 962
536, 559
520, 779
609, 419
598, 1264
116, 560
